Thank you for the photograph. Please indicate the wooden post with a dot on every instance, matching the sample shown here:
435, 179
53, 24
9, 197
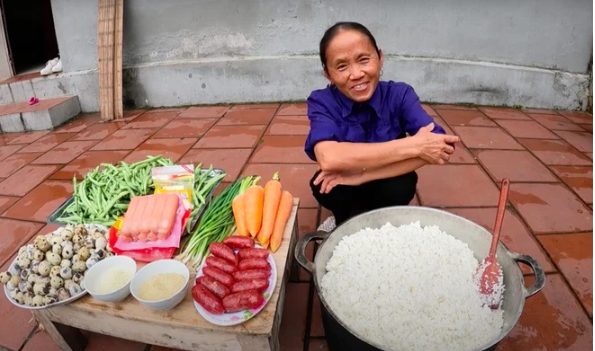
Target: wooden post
109, 55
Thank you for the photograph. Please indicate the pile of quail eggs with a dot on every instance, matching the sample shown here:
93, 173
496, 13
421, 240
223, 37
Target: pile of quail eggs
53, 268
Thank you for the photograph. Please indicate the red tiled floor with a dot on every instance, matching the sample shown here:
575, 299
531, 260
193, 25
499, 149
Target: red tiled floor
132, 114
466, 118
230, 160
8, 150
231, 137
503, 113
589, 155
551, 320
79, 124
550, 208
580, 179
317, 345
486, 138
578, 117
555, 122
253, 106
526, 129
583, 141
204, 112
6, 202
455, 186
281, 149
27, 178
15, 162
47, 143
316, 326
588, 127
124, 139
514, 235
555, 152
573, 253
248, 116
41, 201
518, 166
27, 138
14, 235
453, 107
293, 109
290, 125
99, 342
65, 152
170, 148
293, 324
540, 111
429, 110
151, 120
41, 341
98, 131
87, 162
185, 128
461, 154
176, 110
307, 218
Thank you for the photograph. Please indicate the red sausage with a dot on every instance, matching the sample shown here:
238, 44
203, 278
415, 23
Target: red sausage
253, 253
243, 300
213, 286
217, 262
239, 242
254, 284
254, 263
223, 251
207, 300
218, 275
252, 274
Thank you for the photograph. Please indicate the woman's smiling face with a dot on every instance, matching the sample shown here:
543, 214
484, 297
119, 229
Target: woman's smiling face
353, 65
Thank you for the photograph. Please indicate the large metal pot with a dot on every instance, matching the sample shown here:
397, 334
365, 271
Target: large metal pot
477, 237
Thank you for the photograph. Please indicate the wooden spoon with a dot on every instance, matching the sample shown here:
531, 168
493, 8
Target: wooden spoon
489, 277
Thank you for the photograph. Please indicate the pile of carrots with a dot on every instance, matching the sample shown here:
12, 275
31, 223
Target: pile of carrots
262, 213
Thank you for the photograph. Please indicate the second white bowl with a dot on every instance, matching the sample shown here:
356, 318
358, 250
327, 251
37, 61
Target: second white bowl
93, 278
154, 268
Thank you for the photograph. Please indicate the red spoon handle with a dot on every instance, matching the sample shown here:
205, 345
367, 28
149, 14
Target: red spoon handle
500, 214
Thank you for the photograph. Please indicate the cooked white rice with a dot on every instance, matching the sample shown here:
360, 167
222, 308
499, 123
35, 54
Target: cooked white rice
409, 288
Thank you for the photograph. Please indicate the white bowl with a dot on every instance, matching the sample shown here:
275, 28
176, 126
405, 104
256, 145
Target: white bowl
158, 267
93, 278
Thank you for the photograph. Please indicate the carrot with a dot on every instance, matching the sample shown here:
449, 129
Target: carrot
272, 197
253, 202
239, 213
285, 207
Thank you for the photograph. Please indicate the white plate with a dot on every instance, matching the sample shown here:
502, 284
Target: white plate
228, 319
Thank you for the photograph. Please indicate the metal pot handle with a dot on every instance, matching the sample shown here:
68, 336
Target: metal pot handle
539, 274
300, 249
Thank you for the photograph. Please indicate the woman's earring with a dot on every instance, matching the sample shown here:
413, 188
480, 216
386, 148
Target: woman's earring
381, 72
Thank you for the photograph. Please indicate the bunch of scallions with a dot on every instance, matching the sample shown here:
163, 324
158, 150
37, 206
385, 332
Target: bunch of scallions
216, 224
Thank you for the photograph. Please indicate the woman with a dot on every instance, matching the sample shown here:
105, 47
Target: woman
368, 136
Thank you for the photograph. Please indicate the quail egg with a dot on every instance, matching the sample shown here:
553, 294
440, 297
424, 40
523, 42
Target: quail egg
79, 266
56, 282
53, 258
44, 268
38, 255
66, 272
66, 234
57, 249
65, 263
55, 271
62, 294
5, 277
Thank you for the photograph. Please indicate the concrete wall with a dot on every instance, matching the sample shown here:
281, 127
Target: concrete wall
533, 53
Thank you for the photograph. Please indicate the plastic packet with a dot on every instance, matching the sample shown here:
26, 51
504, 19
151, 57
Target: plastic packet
175, 179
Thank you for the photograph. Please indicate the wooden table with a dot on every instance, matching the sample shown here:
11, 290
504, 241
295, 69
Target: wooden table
180, 328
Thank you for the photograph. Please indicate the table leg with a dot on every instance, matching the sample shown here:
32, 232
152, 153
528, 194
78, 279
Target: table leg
294, 271
67, 338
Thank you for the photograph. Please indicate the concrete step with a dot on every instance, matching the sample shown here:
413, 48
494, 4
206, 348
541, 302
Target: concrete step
45, 115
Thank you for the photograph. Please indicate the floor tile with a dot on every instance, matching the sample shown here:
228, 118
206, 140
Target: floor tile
578, 117
316, 326
526, 129
8, 150
230, 160
204, 112
231, 137
551, 320
14, 235
555, 122
65, 152
176, 110
453, 107
253, 106
151, 120
249, 116
173, 148
455, 186
486, 138
589, 155
580, 179
27, 178
281, 149
15, 162
161, 348
47, 143
41, 201
293, 324
293, 110
185, 128
588, 127
79, 124
100, 342
132, 114
41, 341
17, 323
317, 345
555, 152
514, 235
307, 218
6, 202
550, 208
573, 253
504, 113
98, 131
539, 111
124, 139
28, 138
518, 166
294, 177
461, 154
583, 141
87, 162
466, 118
429, 110
290, 125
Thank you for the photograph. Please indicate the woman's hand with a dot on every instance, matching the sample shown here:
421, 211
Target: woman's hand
434, 148
329, 180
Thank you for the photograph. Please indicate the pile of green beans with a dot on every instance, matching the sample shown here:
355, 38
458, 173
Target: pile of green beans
204, 182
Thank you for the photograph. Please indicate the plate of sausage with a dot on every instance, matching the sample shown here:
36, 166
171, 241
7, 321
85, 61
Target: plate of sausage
235, 282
